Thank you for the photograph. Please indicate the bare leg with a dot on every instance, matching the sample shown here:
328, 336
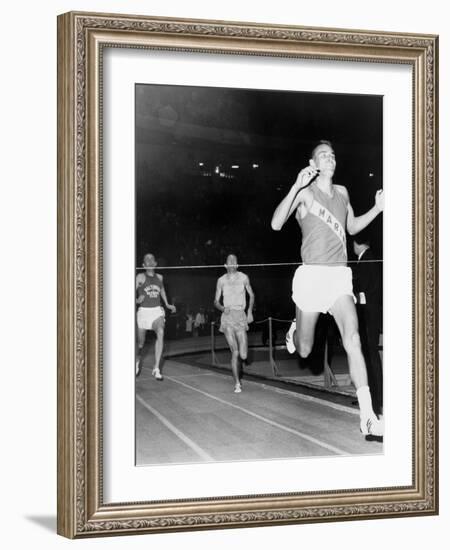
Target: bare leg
141, 341
234, 348
344, 313
159, 344
241, 337
158, 327
304, 334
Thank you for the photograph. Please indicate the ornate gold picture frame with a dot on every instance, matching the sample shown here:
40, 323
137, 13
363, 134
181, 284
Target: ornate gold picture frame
82, 40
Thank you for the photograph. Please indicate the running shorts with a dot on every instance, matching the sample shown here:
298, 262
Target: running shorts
146, 316
317, 287
235, 319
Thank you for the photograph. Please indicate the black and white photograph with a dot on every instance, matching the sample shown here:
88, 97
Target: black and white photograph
259, 274
170, 156
247, 274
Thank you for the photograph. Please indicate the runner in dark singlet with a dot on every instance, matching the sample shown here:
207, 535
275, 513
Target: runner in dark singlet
151, 315
324, 282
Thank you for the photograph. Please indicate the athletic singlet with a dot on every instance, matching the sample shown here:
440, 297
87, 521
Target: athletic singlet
233, 289
151, 289
323, 229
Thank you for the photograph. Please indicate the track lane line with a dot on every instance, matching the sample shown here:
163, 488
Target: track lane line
187, 440
302, 435
295, 395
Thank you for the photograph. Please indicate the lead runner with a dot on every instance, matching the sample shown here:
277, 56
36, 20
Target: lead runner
324, 282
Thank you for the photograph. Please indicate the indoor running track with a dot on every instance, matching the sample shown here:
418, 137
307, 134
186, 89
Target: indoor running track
193, 415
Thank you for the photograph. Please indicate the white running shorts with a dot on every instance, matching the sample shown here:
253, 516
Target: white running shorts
146, 316
317, 287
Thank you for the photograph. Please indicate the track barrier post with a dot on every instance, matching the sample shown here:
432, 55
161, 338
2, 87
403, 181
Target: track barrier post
272, 360
213, 344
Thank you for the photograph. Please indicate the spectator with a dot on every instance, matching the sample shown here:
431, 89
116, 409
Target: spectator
199, 322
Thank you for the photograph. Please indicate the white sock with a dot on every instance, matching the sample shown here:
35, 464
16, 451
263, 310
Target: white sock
365, 402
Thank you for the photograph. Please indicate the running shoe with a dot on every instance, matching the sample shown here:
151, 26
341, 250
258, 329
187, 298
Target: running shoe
290, 346
372, 426
157, 374
138, 367
237, 388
